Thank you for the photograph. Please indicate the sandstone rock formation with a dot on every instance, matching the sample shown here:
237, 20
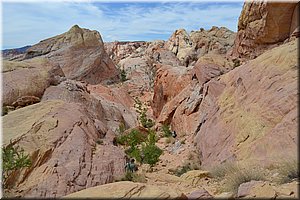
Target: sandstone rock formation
80, 53
253, 119
128, 190
263, 25
120, 50
189, 47
61, 141
264, 189
39, 73
169, 82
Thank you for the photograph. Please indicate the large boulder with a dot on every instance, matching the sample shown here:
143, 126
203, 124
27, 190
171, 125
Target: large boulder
262, 25
128, 190
28, 78
80, 53
60, 139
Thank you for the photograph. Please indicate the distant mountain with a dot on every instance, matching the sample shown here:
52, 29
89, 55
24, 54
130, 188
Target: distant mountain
10, 53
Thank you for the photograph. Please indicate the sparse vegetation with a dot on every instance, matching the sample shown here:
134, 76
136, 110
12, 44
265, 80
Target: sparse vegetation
123, 75
142, 110
14, 158
99, 141
166, 130
134, 177
121, 128
236, 63
288, 171
191, 164
151, 154
234, 180
183, 169
4, 110
142, 148
220, 171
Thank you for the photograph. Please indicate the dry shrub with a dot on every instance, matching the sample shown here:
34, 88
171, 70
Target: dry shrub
288, 171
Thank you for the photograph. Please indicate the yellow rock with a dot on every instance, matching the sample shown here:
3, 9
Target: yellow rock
194, 177
127, 189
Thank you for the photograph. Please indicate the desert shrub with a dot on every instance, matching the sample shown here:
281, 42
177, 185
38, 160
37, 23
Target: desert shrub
121, 128
142, 110
221, 170
288, 171
99, 141
235, 179
151, 154
236, 63
183, 169
188, 166
142, 148
134, 138
4, 110
13, 158
123, 75
166, 130
151, 137
134, 152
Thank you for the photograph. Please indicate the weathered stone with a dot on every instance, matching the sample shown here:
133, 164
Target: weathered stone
60, 140
80, 53
128, 190
199, 194
260, 27
39, 73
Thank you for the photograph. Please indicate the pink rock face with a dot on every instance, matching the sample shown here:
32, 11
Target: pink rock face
62, 145
168, 83
250, 113
80, 53
263, 24
247, 114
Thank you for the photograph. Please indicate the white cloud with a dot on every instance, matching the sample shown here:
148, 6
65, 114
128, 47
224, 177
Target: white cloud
28, 23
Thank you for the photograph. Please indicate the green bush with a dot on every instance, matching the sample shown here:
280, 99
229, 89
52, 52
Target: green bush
142, 110
123, 75
13, 159
121, 128
151, 154
134, 138
134, 152
148, 148
166, 130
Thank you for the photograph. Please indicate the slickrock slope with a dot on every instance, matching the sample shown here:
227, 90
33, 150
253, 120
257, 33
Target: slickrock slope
39, 73
128, 190
263, 25
61, 140
252, 111
80, 53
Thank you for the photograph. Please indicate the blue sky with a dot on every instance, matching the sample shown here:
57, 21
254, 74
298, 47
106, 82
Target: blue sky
30, 22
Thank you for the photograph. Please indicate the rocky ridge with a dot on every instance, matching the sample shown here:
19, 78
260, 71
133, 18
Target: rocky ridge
223, 112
